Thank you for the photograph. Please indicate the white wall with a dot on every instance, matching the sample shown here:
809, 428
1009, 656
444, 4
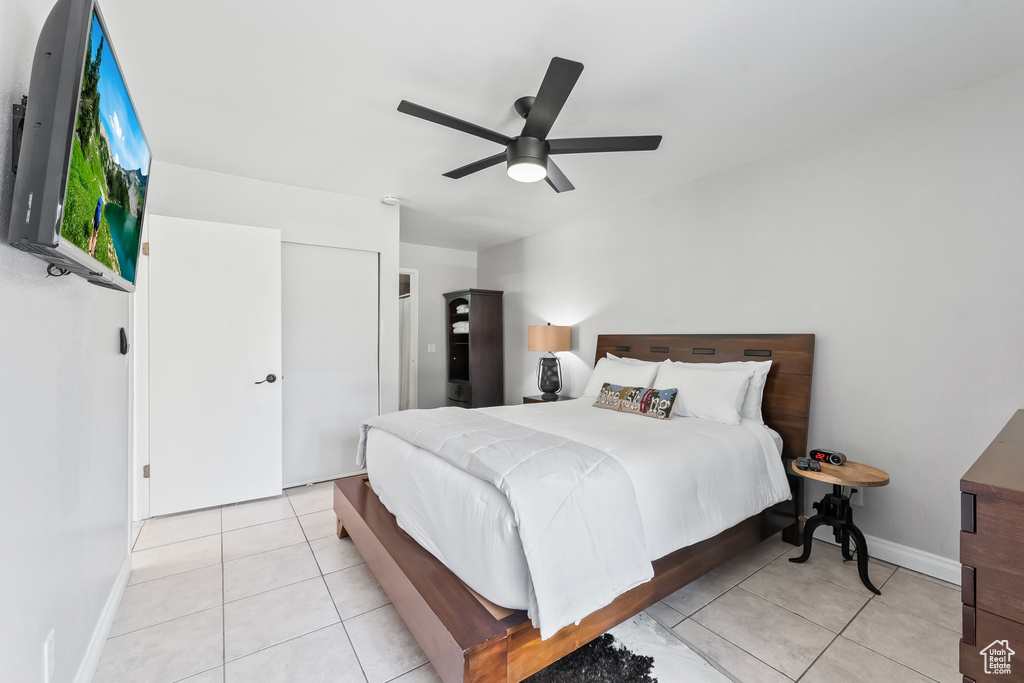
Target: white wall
899, 244
440, 270
64, 431
303, 216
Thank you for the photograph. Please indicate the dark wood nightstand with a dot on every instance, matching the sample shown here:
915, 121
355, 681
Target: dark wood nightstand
835, 511
538, 399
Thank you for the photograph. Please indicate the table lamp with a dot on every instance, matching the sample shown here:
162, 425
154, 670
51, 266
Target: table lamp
549, 338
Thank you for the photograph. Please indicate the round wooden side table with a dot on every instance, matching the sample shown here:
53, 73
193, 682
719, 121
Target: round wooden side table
835, 510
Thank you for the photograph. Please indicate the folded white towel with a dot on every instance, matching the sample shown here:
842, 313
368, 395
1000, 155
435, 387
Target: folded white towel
460, 327
462, 308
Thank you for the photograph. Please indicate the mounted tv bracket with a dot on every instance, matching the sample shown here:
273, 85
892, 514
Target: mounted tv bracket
18, 131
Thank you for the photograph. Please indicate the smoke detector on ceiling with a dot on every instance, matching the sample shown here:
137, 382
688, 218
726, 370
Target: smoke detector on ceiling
391, 200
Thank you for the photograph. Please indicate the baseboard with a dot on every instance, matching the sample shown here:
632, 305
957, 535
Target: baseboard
904, 556
87, 669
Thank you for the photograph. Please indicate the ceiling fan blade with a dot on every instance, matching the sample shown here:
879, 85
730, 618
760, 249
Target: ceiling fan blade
626, 143
437, 117
554, 91
556, 179
476, 166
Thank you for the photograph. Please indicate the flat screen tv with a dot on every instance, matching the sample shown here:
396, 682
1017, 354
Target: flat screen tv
83, 171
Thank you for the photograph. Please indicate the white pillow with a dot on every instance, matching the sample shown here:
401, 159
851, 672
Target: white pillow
621, 373
634, 361
751, 408
709, 393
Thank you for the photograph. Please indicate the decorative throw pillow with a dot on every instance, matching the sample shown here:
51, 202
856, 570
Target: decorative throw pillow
656, 403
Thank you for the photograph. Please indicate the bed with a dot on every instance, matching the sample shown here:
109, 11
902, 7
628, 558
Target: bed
470, 638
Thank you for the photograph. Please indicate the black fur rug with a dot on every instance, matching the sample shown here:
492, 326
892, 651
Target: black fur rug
599, 661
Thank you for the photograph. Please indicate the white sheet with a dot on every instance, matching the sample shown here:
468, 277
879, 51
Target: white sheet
731, 473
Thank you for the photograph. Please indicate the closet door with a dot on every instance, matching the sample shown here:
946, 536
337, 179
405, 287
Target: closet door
214, 332
330, 323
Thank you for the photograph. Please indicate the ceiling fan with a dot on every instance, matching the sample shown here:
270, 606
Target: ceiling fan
528, 154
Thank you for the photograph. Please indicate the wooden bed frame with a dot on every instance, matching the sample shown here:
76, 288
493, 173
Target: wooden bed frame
469, 640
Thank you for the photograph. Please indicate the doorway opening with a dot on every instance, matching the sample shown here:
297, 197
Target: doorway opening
408, 336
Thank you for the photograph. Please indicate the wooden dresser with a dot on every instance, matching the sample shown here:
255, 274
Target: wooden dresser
992, 555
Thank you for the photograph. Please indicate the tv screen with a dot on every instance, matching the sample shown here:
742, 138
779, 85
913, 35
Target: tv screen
83, 171
108, 172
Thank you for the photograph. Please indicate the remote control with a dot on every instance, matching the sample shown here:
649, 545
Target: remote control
808, 464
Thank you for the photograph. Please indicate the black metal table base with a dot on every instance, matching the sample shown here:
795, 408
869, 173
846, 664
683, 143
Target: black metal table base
835, 510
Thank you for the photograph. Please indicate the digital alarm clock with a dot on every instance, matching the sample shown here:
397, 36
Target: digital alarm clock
825, 455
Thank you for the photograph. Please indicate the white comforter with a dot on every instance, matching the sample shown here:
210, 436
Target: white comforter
693, 478
574, 505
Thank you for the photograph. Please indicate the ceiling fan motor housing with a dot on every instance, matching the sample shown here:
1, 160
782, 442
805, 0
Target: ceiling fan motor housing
524, 147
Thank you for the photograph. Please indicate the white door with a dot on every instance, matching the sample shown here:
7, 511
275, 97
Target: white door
330, 344
215, 331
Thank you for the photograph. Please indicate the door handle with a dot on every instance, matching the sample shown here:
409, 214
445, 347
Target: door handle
270, 379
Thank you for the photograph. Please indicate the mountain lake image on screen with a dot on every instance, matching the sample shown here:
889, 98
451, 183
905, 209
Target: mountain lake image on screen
109, 169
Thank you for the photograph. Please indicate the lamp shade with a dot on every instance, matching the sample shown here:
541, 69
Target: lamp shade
549, 338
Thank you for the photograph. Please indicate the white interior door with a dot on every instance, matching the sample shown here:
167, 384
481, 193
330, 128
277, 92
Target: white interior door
330, 316
215, 331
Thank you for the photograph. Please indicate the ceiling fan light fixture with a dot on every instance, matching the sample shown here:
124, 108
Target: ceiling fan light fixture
527, 159
527, 170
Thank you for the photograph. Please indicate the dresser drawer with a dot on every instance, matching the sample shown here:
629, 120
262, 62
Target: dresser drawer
996, 552
991, 630
457, 391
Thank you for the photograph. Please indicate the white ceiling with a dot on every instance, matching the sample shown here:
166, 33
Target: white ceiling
304, 92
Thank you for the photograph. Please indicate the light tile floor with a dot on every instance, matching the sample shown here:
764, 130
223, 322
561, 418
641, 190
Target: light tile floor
763, 618
265, 592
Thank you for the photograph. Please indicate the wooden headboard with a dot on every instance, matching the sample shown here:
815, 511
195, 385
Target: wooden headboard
787, 393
